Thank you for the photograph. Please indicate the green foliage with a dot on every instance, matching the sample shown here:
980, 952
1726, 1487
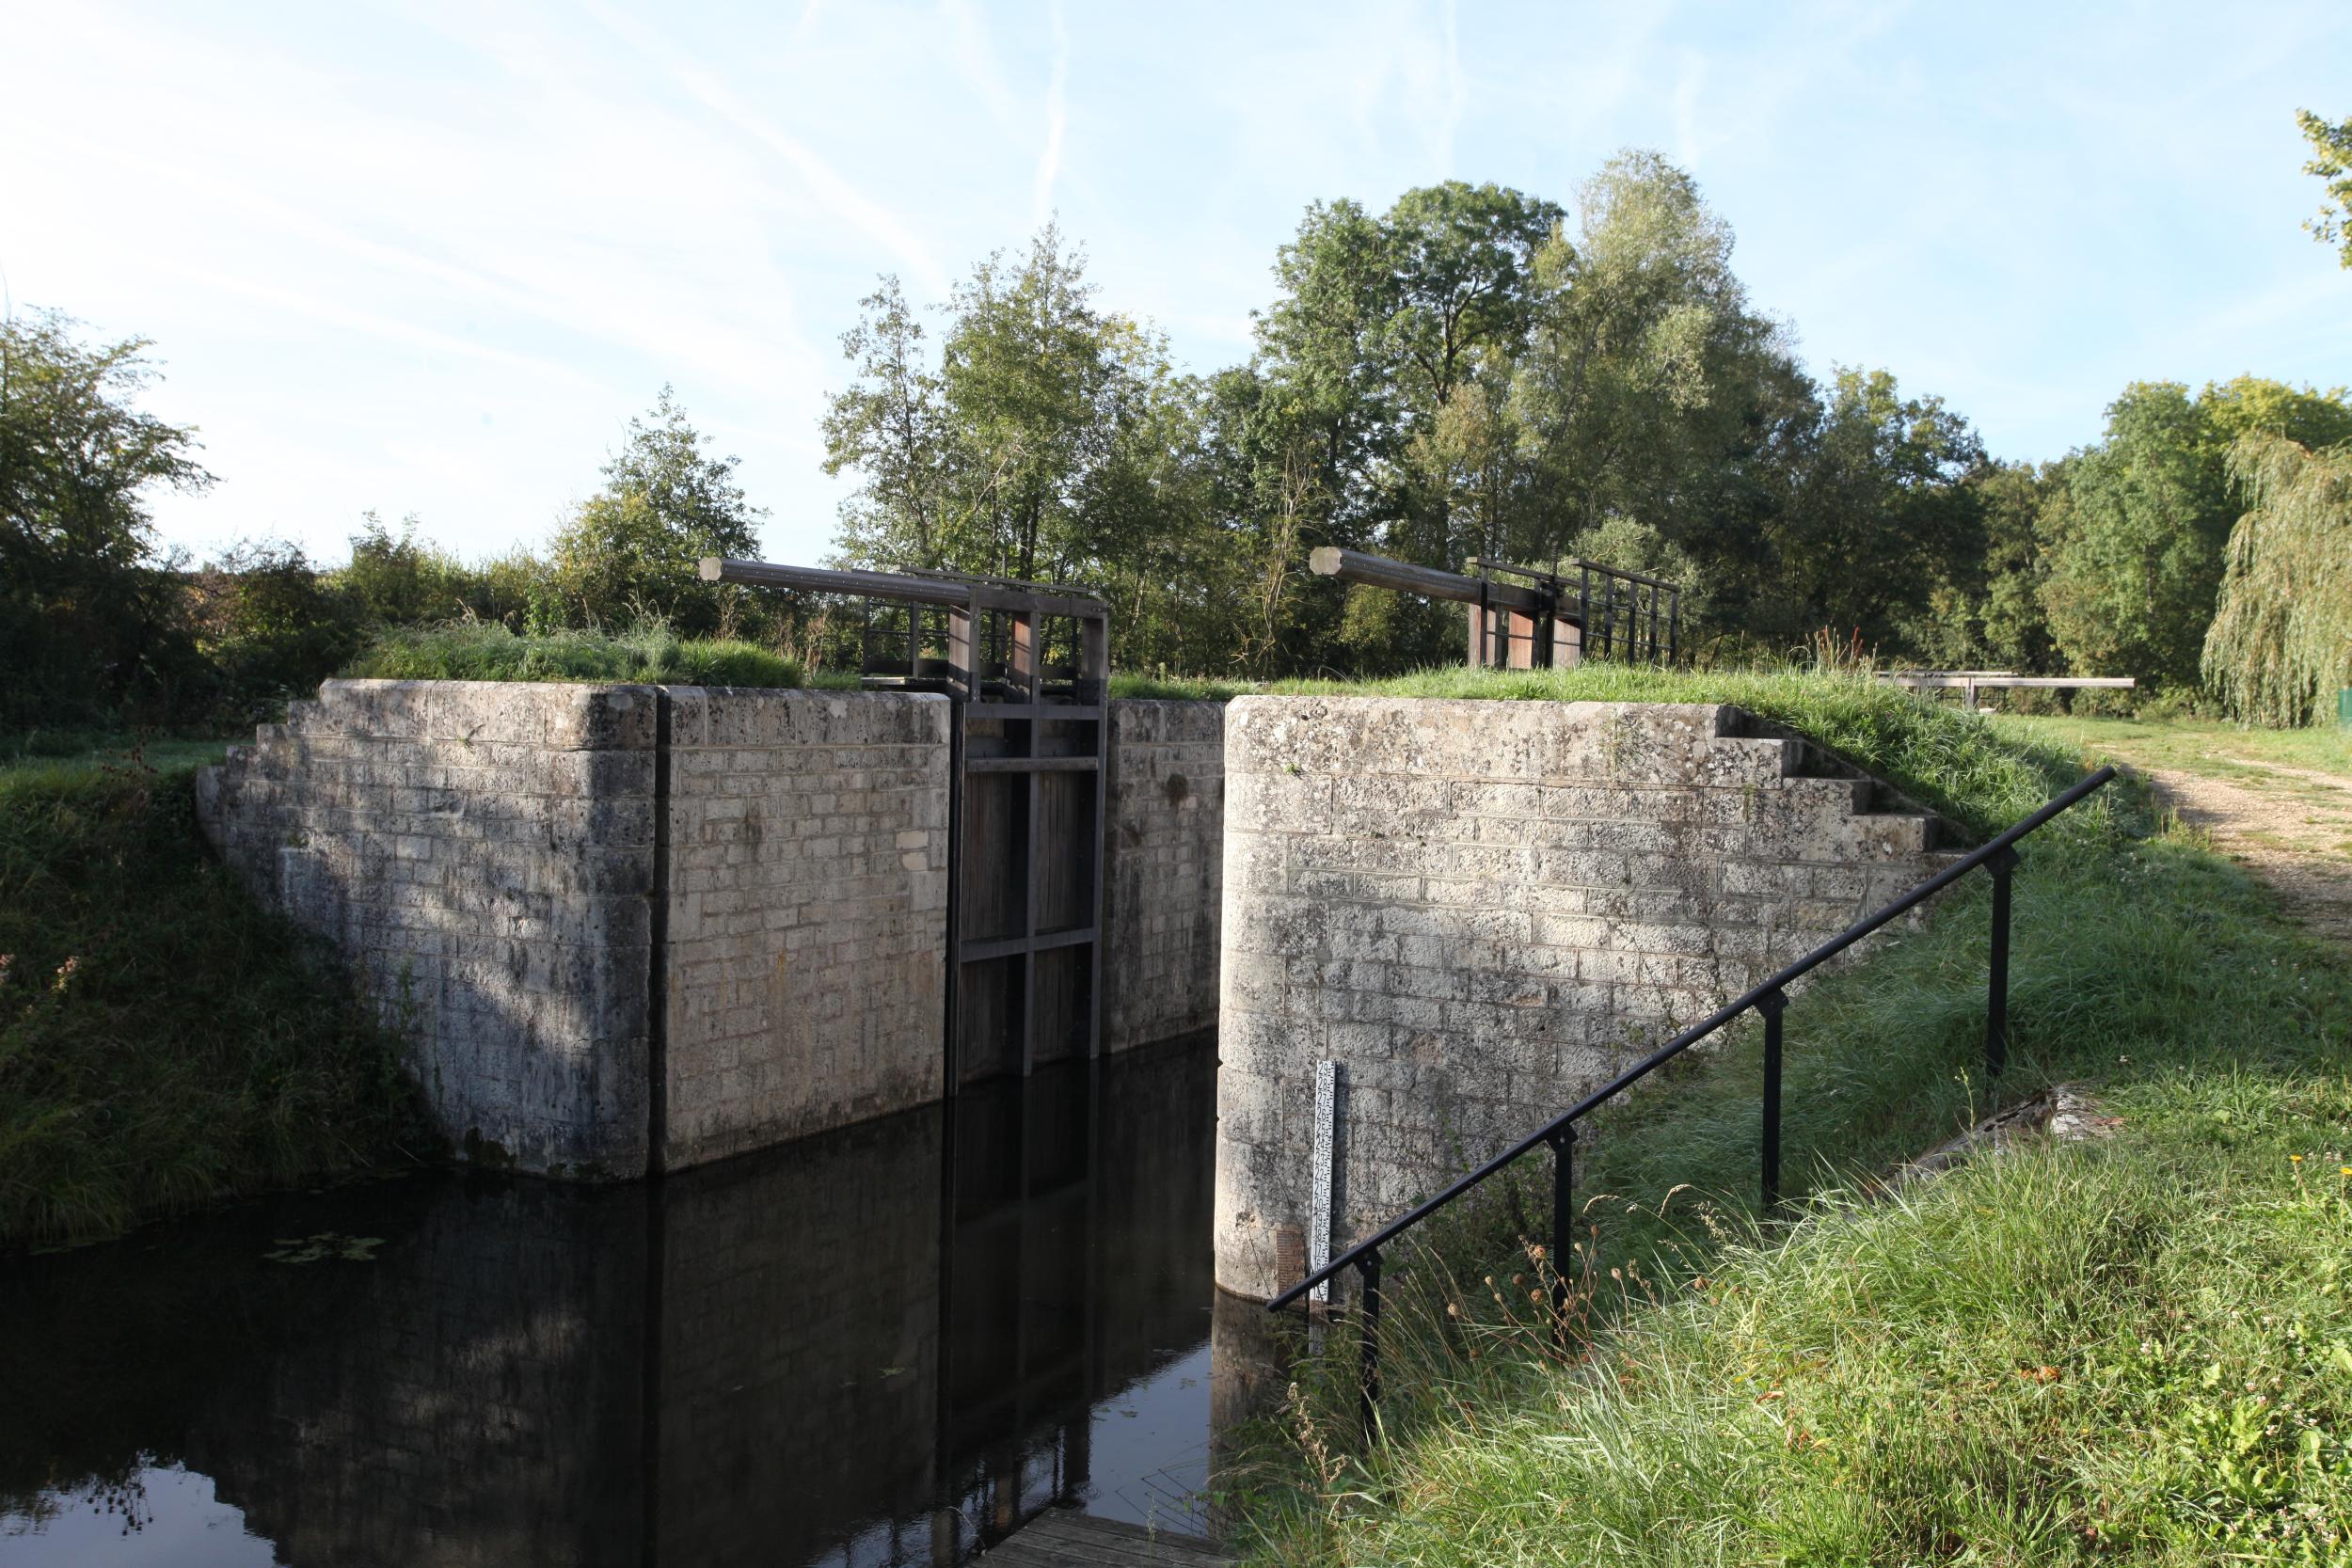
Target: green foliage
2135, 554
401, 580
163, 1040
269, 626
2332, 160
88, 615
2280, 644
632, 549
2137, 559
478, 651
1050, 440
2134, 1351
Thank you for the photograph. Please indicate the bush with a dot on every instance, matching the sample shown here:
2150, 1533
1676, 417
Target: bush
477, 651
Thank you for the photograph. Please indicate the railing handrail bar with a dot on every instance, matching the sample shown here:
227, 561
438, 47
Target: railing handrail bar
1699, 1031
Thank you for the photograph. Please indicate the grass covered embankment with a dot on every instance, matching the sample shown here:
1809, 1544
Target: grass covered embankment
2134, 1349
485, 651
163, 1038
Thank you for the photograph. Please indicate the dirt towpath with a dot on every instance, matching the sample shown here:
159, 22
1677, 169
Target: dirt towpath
2290, 826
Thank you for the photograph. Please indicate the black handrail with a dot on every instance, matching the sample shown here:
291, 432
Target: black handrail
1770, 998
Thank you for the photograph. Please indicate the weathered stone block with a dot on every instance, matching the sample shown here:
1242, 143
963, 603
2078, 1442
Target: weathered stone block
1482, 909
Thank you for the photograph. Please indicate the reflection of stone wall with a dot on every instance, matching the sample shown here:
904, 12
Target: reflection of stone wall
478, 1403
743, 1362
1163, 870
1482, 910
799, 1328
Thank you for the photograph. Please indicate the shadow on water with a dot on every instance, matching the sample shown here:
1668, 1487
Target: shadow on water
888, 1345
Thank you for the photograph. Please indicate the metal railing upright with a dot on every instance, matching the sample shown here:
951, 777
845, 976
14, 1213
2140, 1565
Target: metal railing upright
1770, 1001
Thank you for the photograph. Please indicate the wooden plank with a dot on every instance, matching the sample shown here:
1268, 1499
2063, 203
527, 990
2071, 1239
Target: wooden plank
819, 579
1034, 765
1006, 947
1064, 1538
1403, 577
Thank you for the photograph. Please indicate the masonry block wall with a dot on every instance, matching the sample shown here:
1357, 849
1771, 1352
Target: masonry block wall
482, 853
806, 858
1163, 863
1483, 910
494, 860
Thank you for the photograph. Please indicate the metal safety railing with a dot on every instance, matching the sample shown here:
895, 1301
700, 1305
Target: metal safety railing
1770, 1000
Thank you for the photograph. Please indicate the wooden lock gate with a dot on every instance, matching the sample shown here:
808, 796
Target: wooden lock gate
1027, 765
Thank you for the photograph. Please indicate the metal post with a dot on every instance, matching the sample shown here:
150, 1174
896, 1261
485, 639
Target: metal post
1563, 1224
1368, 1365
1772, 1005
1673, 627
1997, 999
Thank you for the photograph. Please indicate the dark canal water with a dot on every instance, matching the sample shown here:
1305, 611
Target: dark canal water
888, 1345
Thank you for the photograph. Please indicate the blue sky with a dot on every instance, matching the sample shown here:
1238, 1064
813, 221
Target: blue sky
429, 258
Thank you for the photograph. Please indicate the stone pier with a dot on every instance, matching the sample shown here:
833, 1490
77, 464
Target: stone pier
1482, 910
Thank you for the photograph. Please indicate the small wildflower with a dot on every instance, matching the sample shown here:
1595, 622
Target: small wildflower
2295, 1159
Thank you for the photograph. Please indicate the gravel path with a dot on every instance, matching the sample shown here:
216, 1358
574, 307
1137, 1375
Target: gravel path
2292, 827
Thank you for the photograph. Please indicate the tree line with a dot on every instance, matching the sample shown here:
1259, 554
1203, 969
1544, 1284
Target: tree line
1474, 371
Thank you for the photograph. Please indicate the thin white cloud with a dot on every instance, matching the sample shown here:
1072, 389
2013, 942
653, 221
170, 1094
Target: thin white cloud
390, 328
1057, 118
976, 60
836, 195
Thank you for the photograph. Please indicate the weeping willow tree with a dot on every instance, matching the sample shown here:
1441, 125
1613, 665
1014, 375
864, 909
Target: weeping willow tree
2280, 644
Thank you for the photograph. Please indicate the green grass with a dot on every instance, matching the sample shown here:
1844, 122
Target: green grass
2216, 748
2047, 1357
22, 755
1946, 757
480, 651
164, 1040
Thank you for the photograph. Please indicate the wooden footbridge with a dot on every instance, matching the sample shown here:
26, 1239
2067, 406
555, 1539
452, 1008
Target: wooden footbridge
1527, 618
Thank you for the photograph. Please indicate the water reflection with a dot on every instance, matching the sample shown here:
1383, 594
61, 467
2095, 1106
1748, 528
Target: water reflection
888, 1345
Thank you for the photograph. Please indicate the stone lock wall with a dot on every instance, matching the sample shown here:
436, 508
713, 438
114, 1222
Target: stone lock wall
514, 881
1164, 865
806, 860
1484, 909
629, 927
482, 853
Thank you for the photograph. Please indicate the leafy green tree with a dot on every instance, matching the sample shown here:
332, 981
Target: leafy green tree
2002, 625
2136, 562
2332, 160
1644, 356
631, 551
2135, 557
890, 428
1882, 516
2280, 644
1380, 322
89, 612
1052, 439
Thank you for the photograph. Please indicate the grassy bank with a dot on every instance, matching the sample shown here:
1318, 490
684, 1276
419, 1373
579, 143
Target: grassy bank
485, 651
2138, 1350
163, 1038
2238, 753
